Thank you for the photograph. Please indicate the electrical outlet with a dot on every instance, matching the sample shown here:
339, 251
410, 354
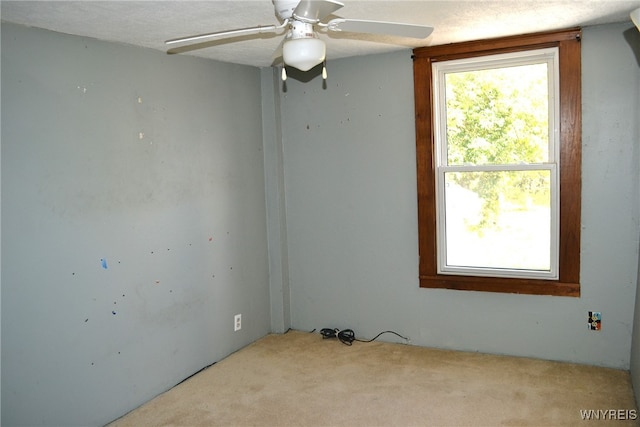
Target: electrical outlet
237, 322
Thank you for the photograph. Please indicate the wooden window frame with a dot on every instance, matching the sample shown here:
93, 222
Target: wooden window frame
568, 44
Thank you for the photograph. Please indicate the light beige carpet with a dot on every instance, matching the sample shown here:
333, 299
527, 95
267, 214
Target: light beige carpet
299, 379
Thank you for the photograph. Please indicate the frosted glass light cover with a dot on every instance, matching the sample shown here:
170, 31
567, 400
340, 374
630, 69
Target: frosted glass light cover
635, 17
303, 54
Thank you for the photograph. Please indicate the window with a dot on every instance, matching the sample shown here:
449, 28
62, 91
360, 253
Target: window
498, 135
496, 164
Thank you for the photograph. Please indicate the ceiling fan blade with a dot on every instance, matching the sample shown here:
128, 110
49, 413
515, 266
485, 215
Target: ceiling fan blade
316, 10
228, 33
380, 27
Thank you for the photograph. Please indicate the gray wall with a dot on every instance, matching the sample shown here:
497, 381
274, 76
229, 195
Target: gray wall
635, 344
153, 163
634, 35
276, 209
349, 169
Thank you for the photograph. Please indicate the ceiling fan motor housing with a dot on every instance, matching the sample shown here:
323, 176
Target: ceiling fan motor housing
301, 30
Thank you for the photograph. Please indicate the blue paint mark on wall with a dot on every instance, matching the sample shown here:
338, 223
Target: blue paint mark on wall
103, 261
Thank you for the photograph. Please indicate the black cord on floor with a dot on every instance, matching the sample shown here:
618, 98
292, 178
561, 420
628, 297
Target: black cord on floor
347, 336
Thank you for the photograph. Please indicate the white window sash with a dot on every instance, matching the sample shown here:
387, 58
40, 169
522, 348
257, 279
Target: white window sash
554, 231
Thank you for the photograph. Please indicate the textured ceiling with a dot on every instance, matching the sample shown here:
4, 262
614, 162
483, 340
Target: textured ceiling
150, 23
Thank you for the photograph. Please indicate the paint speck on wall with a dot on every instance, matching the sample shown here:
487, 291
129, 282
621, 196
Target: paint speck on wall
103, 262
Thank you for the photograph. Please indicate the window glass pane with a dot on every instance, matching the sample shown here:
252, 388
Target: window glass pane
498, 220
498, 116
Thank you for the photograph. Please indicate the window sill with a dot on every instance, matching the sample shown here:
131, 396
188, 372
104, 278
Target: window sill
503, 285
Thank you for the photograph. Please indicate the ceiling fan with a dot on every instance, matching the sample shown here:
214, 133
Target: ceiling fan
301, 20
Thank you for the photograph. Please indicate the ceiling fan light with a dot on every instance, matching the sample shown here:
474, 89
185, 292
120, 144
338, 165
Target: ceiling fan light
303, 54
635, 17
